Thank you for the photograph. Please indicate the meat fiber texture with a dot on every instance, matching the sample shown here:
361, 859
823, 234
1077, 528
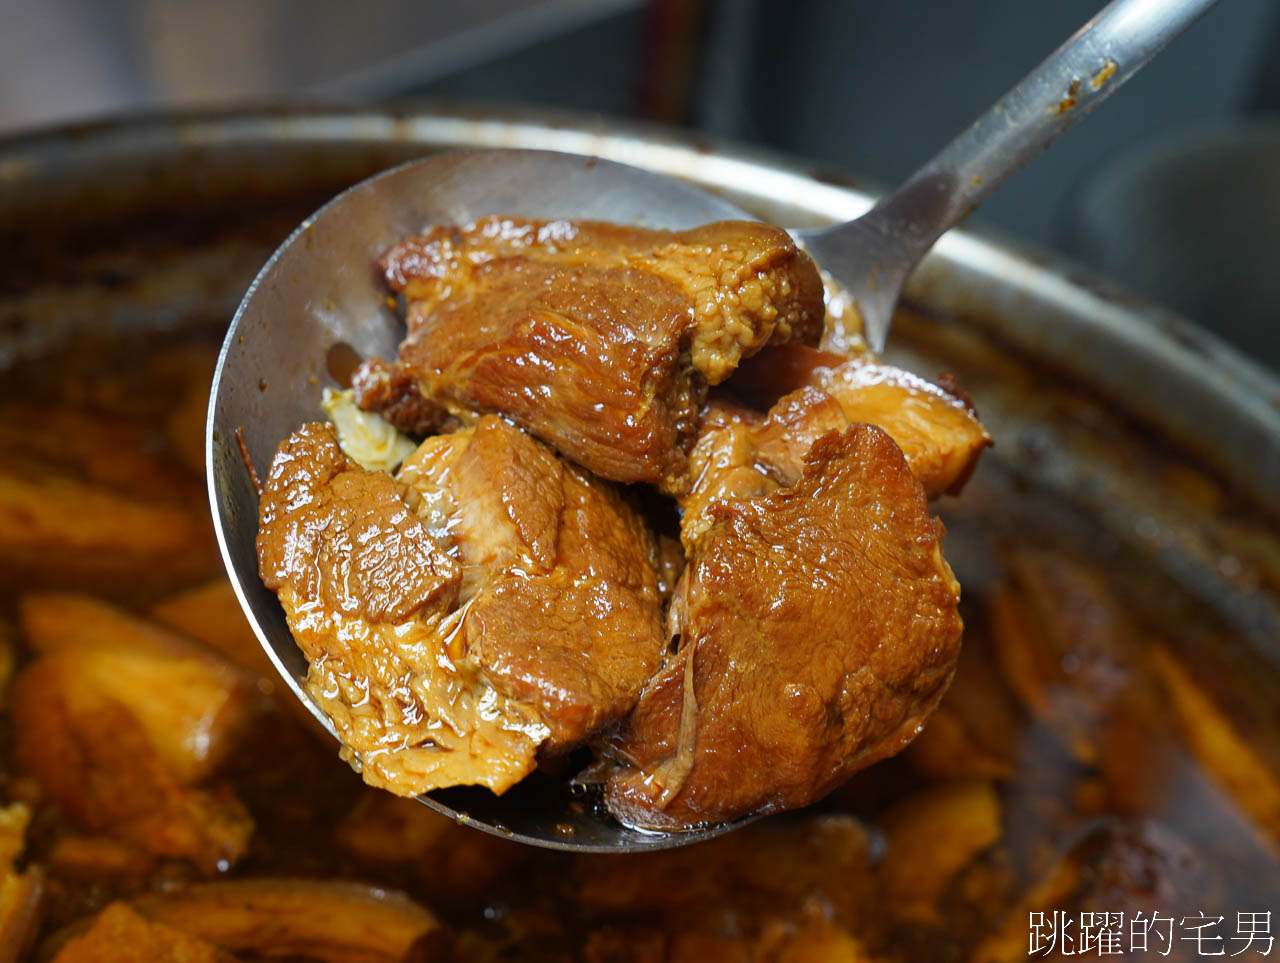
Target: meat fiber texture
818, 628
597, 338
490, 602
498, 600
817, 619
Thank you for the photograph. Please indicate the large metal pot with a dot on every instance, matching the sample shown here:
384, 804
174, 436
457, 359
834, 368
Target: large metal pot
1095, 397
1124, 436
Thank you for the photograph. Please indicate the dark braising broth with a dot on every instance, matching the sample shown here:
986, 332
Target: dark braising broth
1107, 747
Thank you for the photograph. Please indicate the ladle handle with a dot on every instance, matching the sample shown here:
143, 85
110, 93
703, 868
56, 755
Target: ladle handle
1078, 76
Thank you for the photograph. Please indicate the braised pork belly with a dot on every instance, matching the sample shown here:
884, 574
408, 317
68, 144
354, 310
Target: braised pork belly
497, 600
1109, 741
599, 339
454, 618
818, 628
935, 425
817, 619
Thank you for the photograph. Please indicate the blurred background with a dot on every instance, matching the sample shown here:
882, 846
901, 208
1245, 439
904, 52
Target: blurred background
1172, 187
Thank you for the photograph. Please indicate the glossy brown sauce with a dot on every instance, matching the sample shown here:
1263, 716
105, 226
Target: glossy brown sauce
1109, 744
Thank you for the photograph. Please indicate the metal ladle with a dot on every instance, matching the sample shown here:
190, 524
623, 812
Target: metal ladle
320, 289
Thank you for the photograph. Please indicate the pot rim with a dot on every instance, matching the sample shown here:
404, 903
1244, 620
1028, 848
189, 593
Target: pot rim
1205, 395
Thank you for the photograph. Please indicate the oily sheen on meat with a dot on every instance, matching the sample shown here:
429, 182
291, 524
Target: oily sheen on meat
598, 338
452, 617
818, 629
498, 600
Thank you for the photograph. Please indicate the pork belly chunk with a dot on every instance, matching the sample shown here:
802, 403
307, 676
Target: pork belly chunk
818, 628
127, 727
935, 425
561, 602
489, 603
598, 338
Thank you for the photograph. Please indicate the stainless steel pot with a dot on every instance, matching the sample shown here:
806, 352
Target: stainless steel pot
1095, 398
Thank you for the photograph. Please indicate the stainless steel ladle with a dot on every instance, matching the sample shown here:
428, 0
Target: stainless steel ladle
320, 289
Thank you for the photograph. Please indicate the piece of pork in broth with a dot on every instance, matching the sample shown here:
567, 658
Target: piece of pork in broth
451, 617
597, 338
818, 628
935, 425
